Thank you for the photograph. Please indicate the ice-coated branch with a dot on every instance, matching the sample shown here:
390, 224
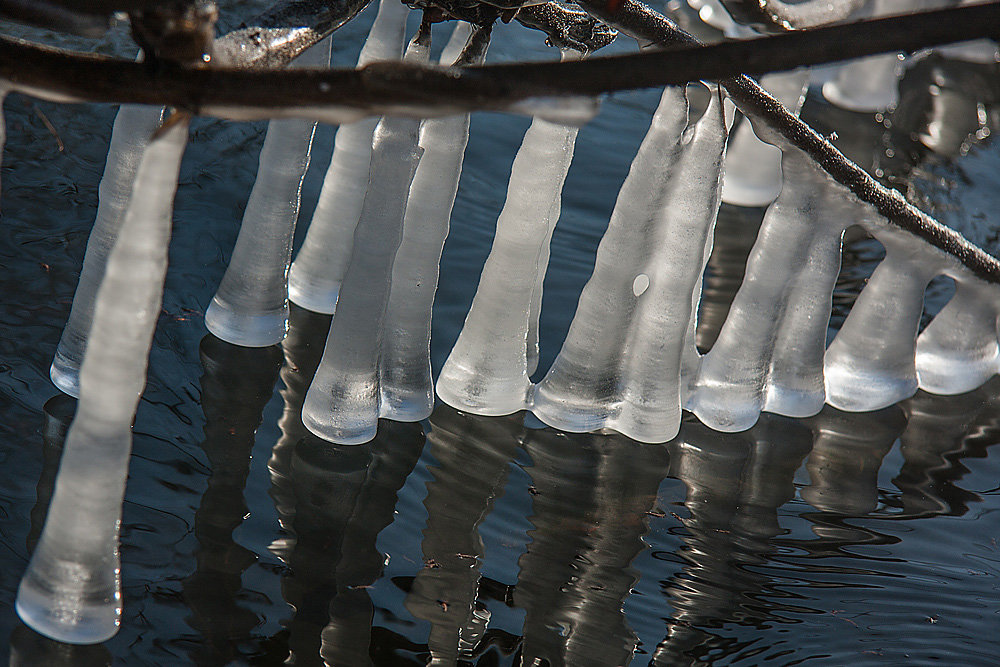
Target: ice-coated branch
422, 90
279, 34
72, 589
251, 305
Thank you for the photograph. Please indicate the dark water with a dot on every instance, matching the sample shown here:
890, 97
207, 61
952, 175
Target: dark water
841, 539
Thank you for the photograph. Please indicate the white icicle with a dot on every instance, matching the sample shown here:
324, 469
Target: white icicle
958, 350
870, 364
769, 353
134, 125
406, 387
72, 590
753, 168
343, 402
487, 370
250, 307
319, 267
620, 366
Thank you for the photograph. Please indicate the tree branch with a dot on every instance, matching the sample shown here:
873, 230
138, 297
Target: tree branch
397, 88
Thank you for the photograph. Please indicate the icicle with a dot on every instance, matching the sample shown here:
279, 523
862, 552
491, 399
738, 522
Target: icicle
621, 362
316, 274
343, 402
870, 364
753, 168
769, 354
134, 125
72, 590
406, 386
958, 350
487, 370
867, 84
251, 306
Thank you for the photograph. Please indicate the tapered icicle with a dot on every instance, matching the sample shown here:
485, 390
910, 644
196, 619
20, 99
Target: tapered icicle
487, 370
72, 590
769, 353
958, 350
620, 366
343, 402
406, 387
251, 306
319, 267
870, 364
134, 125
753, 168
866, 85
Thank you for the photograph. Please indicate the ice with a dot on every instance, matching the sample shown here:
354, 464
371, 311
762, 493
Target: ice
72, 590
318, 270
134, 125
621, 363
958, 350
753, 168
405, 383
487, 370
250, 307
769, 353
870, 364
343, 402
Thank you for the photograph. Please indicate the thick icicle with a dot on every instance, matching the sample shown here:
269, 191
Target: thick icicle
958, 351
753, 168
769, 354
487, 370
620, 365
407, 390
134, 125
870, 364
319, 267
342, 404
72, 589
251, 305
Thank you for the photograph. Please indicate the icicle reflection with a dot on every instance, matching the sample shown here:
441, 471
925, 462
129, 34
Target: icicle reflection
236, 384
332, 502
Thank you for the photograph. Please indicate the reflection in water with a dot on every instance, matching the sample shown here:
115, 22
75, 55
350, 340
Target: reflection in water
592, 499
735, 484
332, 501
940, 432
473, 456
30, 649
236, 384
